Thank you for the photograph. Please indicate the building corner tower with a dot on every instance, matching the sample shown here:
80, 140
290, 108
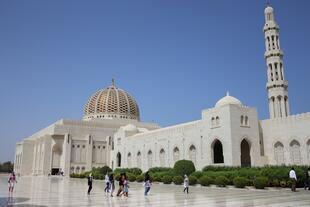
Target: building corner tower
276, 83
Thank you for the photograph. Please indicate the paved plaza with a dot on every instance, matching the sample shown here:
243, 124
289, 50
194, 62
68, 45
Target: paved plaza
57, 191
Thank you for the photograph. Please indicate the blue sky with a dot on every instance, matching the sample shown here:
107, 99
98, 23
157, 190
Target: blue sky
175, 57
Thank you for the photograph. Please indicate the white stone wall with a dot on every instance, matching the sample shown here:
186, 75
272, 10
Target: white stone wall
289, 135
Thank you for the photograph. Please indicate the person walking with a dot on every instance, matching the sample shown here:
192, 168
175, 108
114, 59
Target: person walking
107, 183
11, 182
293, 179
147, 183
90, 183
125, 187
307, 183
186, 184
112, 184
121, 184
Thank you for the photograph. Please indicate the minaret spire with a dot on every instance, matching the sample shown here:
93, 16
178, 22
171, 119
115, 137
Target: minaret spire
276, 83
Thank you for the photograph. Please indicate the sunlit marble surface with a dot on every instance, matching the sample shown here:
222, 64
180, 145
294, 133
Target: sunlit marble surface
57, 191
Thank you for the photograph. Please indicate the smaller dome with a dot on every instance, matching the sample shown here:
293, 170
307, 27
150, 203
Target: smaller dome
268, 9
226, 100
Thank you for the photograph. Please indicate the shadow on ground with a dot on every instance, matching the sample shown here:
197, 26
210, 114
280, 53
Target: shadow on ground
15, 201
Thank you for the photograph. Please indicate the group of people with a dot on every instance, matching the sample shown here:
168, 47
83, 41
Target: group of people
124, 184
293, 178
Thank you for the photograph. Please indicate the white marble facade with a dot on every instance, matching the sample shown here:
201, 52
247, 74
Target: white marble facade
230, 133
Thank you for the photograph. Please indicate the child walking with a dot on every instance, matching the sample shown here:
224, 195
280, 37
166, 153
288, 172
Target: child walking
11, 182
186, 184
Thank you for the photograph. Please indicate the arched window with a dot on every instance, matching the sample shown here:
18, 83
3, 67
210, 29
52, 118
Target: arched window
118, 159
308, 149
162, 158
150, 159
241, 120
295, 152
279, 153
139, 162
77, 170
217, 148
129, 160
217, 121
83, 169
176, 154
71, 170
192, 153
246, 121
212, 121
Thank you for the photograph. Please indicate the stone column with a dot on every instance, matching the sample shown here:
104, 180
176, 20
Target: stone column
66, 154
89, 152
47, 154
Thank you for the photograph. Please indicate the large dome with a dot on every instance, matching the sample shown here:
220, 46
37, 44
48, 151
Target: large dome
111, 103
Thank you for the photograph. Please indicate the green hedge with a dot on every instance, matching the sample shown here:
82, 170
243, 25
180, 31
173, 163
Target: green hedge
205, 180
167, 179
240, 182
184, 167
140, 178
260, 182
135, 171
192, 180
221, 181
178, 180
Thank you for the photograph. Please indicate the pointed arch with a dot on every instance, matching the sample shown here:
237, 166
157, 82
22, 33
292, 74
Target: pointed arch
176, 154
192, 153
245, 149
118, 159
162, 158
217, 149
139, 160
295, 152
150, 159
129, 160
279, 153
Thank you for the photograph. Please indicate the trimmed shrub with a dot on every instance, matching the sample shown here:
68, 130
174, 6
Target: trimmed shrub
135, 171
159, 169
192, 180
240, 182
140, 178
260, 182
184, 167
117, 176
197, 174
205, 180
178, 180
157, 177
167, 179
275, 183
221, 181
131, 177
283, 184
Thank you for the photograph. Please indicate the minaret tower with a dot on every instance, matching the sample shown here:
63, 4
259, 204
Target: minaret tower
276, 84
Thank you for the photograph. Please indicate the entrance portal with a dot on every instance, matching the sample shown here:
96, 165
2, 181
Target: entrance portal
245, 154
55, 171
218, 152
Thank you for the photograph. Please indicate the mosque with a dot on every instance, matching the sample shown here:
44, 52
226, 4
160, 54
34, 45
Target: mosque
229, 134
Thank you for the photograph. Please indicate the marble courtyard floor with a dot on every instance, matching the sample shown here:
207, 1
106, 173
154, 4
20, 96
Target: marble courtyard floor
57, 191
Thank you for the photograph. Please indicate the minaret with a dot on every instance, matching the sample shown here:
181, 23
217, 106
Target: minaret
276, 84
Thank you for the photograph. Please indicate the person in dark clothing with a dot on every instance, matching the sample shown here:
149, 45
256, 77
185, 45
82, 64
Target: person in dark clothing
90, 183
307, 183
121, 184
147, 183
112, 184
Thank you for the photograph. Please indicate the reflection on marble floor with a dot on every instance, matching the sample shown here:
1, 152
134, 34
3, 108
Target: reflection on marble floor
57, 191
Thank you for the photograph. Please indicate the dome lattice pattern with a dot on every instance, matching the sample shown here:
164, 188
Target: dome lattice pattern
111, 102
